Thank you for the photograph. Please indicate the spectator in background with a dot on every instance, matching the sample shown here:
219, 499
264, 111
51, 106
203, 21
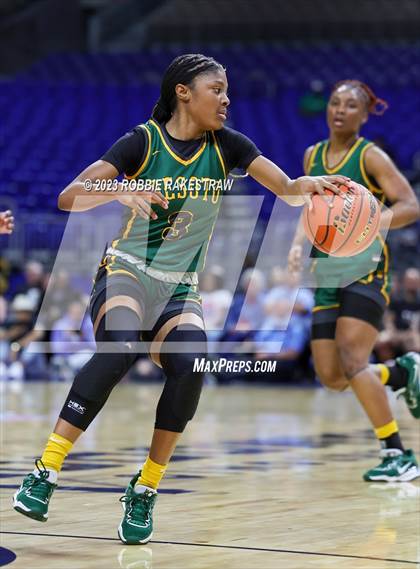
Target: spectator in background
286, 284
7, 222
405, 308
4, 275
216, 301
34, 285
72, 341
314, 101
6, 228
246, 313
413, 173
60, 296
16, 334
3, 309
285, 331
402, 322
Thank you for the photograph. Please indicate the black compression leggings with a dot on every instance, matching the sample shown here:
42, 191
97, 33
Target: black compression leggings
113, 359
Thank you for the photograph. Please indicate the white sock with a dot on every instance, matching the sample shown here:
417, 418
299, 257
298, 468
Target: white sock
52, 475
139, 489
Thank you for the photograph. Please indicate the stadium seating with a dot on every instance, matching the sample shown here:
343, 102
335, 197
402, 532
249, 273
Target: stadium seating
66, 110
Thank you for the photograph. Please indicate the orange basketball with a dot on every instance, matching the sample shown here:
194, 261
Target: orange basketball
347, 228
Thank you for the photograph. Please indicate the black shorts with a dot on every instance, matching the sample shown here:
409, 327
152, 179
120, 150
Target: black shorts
352, 305
158, 301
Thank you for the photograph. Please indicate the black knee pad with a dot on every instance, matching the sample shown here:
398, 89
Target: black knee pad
95, 381
103, 371
79, 411
182, 390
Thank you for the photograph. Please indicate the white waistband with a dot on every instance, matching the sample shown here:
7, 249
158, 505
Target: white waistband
173, 277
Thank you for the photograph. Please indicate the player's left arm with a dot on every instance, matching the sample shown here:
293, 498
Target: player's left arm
405, 206
294, 192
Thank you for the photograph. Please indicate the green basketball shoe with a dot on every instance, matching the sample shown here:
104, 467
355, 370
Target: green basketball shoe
411, 394
34, 495
136, 526
396, 466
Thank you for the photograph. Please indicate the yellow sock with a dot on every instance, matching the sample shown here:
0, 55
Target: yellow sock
385, 373
56, 451
387, 430
151, 473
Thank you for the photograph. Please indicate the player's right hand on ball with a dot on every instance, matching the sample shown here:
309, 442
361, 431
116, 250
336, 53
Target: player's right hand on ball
142, 203
309, 185
294, 259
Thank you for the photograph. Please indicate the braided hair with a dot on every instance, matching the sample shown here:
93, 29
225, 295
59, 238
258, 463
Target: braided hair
374, 104
183, 69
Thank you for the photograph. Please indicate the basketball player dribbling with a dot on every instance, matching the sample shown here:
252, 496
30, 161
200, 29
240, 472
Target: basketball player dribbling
346, 321
147, 282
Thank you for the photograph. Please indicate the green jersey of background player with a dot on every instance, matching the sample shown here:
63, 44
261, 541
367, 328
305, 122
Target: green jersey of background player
352, 293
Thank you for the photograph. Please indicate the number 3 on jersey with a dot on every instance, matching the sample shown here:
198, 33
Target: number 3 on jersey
179, 222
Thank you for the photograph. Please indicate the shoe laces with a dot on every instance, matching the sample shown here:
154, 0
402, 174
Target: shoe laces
388, 460
39, 483
138, 506
389, 457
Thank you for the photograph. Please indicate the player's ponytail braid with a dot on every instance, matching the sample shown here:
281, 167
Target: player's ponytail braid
374, 104
183, 69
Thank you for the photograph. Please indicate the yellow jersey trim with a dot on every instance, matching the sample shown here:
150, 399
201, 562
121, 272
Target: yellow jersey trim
119, 271
312, 156
139, 171
345, 158
374, 189
173, 154
386, 267
368, 279
146, 160
127, 228
318, 308
130, 223
219, 154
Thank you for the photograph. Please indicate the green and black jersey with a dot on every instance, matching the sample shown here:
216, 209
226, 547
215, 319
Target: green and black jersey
375, 260
193, 183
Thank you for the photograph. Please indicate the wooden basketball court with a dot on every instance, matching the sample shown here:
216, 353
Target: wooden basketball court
265, 477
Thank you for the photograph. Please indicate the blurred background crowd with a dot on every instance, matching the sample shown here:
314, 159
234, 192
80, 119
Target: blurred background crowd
94, 72
273, 323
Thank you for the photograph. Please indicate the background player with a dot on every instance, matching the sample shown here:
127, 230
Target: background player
346, 320
148, 276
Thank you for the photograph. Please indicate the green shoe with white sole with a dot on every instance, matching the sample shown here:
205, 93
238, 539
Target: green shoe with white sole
136, 526
34, 495
396, 466
411, 394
